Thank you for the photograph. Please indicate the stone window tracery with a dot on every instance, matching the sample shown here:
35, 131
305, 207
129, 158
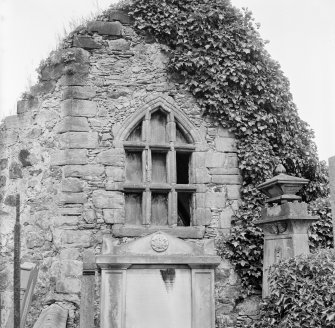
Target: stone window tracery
158, 171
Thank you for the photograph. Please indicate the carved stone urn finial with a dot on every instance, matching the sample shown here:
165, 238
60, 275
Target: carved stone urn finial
282, 187
280, 168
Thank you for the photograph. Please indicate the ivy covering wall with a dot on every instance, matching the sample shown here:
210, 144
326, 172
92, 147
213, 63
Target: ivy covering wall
216, 51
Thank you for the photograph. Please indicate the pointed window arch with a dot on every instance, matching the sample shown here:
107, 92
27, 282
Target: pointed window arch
158, 188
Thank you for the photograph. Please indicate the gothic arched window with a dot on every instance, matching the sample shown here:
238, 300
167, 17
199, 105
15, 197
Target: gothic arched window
158, 189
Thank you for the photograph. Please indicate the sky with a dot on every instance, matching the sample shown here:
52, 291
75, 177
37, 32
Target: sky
301, 35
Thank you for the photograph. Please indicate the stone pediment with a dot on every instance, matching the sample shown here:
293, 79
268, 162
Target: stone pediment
157, 248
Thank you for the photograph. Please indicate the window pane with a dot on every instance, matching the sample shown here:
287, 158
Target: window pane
159, 209
184, 209
182, 164
136, 134
133, 208
158, 127
158, 167
134, 171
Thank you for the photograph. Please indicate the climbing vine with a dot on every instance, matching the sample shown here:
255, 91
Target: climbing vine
216, 51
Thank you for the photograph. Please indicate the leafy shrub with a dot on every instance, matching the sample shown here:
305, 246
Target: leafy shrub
302, 293
215, 50
321, 231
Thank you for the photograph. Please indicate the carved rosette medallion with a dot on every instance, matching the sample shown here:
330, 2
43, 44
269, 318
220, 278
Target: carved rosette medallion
159, 243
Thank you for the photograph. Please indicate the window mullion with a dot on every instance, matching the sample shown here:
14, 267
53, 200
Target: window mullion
146, 206
172, 217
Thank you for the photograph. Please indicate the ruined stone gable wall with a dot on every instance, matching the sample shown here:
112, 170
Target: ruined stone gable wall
61, 155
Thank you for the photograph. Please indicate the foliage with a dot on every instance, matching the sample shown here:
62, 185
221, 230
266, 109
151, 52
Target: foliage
302, 293
217, 52
321, 231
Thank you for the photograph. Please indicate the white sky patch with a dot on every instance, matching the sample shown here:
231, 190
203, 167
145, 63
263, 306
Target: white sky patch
301, 34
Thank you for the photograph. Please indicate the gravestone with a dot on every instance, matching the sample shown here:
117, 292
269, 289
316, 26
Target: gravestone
53, 316
161, 280
332, 189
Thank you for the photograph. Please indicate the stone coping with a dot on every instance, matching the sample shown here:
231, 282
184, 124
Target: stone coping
124, 261
192, 232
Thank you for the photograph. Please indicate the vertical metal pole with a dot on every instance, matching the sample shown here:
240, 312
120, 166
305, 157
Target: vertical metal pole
17, 269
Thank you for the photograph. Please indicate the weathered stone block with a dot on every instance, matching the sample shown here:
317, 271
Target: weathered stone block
225, 144
106, 28
76, 107
73, 78
15, 171
114, 216
66, 157
71, 268
68, 285
85, 42
215, 199
121, 16
224, 171
233, 192
79, 140
226, 179
34, 239
10, 200
3, 163
108, 199
73, 124
119, 45
115, 174
201, 176
216, 159
3, 180
69, 254
78, 92
225, 218
113, 157
89, 216
26, 105
76, 238
73, 198
69, 211
83, 171
250, 306
111, 185
24, 157
71, 220
202, 216
72, 185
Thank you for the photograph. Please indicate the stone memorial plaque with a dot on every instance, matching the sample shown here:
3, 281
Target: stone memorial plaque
158, 297
53, 316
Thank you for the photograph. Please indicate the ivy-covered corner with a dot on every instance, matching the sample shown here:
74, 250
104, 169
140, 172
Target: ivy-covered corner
216, 51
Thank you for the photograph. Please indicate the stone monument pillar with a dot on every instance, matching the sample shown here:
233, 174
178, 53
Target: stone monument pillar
285, 224
332, 189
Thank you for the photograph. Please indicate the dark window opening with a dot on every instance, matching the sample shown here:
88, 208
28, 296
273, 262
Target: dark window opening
182, 163
134, 171
133, 208
184, 209
159, 209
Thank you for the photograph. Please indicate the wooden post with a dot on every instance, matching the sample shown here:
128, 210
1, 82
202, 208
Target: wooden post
17, 269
